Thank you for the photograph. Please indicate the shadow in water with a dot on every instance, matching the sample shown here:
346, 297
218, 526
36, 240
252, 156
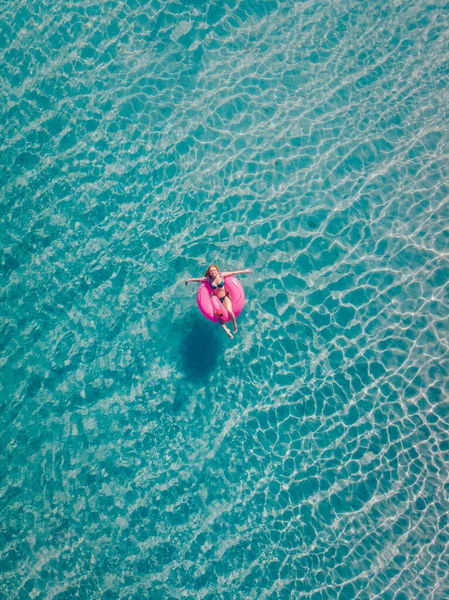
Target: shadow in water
200, 349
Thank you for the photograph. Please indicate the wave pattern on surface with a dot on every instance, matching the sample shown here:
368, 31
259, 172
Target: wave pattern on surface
140, 142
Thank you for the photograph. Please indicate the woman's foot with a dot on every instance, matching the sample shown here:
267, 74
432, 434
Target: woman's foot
228, 333
234, 322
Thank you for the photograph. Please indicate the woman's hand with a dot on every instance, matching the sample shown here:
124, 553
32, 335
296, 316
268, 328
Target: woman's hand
186, 281
248, 270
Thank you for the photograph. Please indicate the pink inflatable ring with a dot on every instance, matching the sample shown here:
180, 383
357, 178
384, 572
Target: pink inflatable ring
212, 308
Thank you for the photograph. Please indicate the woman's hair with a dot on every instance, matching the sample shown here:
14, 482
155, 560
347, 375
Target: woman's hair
207, 273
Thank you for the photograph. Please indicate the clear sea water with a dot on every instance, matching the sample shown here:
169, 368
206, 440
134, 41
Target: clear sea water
143, 454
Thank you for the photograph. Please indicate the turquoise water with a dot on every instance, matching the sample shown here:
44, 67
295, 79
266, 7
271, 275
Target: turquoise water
143, 454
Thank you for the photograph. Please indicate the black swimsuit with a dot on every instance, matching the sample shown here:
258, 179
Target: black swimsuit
220, 285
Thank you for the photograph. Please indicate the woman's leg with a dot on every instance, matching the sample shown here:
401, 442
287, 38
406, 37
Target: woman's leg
228, 333
228, 306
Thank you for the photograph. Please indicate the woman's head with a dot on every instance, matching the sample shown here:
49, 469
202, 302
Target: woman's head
212, 271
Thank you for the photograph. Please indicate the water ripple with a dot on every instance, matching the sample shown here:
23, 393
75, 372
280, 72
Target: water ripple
143, 454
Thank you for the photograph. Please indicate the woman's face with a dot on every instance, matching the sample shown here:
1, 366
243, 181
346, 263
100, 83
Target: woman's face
213, 272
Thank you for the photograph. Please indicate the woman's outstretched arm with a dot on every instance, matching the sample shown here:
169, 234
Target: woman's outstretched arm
195, 279
229, 273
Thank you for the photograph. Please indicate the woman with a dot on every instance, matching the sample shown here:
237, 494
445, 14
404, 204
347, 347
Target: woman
216, 282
